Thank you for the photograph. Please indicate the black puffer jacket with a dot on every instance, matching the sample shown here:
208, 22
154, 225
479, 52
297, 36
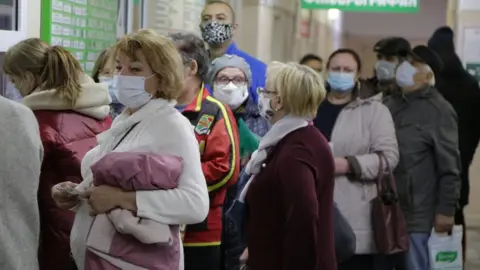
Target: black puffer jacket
463, 92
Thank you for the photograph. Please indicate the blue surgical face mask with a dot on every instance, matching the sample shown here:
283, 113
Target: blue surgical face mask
404, 75
385, 70
341, 81
111, 90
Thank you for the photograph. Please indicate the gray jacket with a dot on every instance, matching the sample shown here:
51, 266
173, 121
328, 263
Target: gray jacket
363, 128
428, 174
20, 165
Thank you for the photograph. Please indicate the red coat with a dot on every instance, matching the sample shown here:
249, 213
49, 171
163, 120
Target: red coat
289, 222
217, 134
66, 136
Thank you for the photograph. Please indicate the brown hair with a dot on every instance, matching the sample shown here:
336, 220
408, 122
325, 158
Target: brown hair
160, 54
49, 67
100, 64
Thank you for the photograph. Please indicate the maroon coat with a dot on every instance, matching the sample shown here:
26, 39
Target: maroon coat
289, 221
66, 136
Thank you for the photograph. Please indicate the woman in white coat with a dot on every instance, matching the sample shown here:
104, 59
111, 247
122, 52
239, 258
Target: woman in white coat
149, 77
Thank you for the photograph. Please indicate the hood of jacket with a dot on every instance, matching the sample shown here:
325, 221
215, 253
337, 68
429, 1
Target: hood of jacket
442, 42
94, 100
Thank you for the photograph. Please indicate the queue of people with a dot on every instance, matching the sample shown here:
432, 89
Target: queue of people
265, 153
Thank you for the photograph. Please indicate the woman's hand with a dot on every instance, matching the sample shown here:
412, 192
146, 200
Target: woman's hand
103, 198
341, 166
62, 197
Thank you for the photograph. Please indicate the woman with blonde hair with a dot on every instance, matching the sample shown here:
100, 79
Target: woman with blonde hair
289, 222
71, 110
102, 73
148, 79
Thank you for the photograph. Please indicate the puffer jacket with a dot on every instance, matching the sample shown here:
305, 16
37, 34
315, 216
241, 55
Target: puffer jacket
67, 134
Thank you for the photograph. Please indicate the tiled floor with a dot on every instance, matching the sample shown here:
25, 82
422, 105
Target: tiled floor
473, 253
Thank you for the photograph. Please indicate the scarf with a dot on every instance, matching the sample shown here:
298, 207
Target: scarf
279, 130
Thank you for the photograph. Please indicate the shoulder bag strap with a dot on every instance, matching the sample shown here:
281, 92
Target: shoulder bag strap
125, 135
386, 182
379, 180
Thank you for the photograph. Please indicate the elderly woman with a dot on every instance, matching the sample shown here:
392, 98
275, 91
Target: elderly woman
289, 222
71, 110
231, 77
149, 76
360, 130
102, 73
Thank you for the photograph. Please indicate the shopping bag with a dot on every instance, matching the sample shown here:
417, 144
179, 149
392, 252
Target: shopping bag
445, 250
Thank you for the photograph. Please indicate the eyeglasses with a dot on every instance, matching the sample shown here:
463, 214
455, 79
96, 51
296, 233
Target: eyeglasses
224, 80
264, 92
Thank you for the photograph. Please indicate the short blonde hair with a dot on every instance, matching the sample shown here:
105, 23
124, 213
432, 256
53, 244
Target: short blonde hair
162, 56
301, 88
51, 67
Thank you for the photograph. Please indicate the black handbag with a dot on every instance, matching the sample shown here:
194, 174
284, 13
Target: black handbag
345, 240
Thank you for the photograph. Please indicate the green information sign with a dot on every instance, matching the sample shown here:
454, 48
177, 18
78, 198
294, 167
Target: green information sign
84, 27
383, 6
474, 70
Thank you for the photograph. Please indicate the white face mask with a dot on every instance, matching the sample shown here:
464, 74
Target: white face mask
230, 94
111, 90
265, 107
130, 90
404, 75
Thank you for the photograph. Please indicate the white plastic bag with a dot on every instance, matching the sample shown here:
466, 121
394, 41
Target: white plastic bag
445, 250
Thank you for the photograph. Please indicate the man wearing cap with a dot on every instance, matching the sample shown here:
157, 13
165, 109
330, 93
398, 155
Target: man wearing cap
463, 92
390, 52
428, 174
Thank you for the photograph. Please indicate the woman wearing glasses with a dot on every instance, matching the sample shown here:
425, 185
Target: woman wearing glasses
289, 222
230, 76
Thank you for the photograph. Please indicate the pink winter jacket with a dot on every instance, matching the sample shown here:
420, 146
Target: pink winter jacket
120, 237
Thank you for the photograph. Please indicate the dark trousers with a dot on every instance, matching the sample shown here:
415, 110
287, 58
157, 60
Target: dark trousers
460, 220
202, 258
373, 262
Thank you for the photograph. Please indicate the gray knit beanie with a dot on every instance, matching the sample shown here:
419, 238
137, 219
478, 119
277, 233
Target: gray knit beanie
228, 60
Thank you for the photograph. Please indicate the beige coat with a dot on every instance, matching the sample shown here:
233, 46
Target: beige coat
363, 127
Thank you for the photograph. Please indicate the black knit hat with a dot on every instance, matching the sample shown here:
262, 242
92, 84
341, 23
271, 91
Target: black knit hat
396, 46
430, 57
442, 40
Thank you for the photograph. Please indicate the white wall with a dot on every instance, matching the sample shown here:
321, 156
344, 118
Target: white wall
33, 15
421, 25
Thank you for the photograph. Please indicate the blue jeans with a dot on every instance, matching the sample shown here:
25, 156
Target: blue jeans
417, 256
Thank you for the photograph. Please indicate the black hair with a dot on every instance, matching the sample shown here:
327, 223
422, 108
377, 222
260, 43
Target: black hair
309, 57
191, 47
224, 3
353, 53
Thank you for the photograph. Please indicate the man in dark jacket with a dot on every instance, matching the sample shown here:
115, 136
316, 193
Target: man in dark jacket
390, 52
463, 92
428, 173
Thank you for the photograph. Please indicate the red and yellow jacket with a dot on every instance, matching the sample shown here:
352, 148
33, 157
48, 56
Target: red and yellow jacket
217, 134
